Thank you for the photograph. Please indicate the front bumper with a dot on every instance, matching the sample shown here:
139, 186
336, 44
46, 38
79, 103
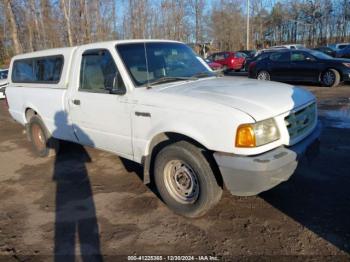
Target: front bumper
251, 175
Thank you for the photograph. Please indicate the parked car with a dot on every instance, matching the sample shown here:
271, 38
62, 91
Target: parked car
194, 132
249, 53
327, 50
3, 73
344, 52
229, 60
290, 46
301, 65
258, 57
3, 82
213, 65
339, 46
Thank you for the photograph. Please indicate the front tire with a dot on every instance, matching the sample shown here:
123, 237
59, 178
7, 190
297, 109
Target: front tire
263, 75
185, 179
330, 78
42, 143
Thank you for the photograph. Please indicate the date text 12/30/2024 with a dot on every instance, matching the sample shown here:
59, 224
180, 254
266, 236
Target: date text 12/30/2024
173, 258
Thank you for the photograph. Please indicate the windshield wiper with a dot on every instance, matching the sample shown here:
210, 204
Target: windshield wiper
166, 79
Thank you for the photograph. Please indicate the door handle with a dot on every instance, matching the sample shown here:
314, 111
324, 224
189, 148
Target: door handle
76, 102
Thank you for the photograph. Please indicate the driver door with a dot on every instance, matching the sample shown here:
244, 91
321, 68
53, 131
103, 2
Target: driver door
98, 106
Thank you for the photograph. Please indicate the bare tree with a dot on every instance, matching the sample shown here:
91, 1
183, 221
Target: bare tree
66, 13
13, 27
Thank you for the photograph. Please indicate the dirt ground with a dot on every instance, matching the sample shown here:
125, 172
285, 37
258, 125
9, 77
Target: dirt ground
86, 201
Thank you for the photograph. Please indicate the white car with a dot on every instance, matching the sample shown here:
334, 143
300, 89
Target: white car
3, 84
291, 46
154, 102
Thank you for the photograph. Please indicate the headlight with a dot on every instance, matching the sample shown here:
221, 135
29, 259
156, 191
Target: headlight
258, 134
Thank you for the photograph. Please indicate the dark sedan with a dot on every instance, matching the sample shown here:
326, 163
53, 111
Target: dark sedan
301, 65
262, 54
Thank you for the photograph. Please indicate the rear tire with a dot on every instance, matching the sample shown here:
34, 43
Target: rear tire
185, 179
263, 75
330, 78
42, 143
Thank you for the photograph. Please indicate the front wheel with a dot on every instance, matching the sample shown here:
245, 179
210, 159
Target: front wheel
185, 179
263, 75
331, 78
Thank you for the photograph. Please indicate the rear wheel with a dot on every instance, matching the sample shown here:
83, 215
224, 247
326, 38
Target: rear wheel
185, 179
263, 75
42, 142
330, 78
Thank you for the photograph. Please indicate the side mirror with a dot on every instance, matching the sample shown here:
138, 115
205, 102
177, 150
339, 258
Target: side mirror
118, 87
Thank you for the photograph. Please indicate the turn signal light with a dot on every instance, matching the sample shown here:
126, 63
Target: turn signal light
245, 136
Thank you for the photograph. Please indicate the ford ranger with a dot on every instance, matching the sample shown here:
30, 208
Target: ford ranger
158, 104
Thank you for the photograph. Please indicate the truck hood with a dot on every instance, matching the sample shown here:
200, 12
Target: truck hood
259, 99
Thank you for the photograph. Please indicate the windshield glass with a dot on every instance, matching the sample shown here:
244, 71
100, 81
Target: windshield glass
320, 55
149, 62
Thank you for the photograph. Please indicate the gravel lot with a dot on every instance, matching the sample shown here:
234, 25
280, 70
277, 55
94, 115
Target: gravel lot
87, 201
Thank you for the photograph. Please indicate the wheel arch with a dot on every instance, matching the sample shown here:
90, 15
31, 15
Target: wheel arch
329, 68
29, 113
163, 139
257, 71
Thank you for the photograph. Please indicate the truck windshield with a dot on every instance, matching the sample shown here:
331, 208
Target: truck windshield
148, 63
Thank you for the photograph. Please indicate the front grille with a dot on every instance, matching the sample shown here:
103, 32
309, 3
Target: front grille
300, 122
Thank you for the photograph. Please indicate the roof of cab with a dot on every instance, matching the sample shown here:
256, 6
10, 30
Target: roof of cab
67, 50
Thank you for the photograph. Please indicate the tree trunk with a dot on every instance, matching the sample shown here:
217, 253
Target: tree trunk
66, 13
13, 27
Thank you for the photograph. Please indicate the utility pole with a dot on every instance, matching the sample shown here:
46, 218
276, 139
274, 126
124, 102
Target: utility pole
248, 9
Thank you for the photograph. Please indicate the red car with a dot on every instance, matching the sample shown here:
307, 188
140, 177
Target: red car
229, 60
213, 65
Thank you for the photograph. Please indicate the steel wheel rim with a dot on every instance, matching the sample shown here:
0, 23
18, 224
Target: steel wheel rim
263, 76
181, 182
38, 137
329, 78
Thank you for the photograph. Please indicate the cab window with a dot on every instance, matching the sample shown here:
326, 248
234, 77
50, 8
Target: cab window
98, 73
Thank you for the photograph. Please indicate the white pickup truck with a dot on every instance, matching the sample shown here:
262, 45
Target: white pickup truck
156, 103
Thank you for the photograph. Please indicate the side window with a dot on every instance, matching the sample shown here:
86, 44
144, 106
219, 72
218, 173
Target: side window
300, 57
23, 71
38, 70
297, 57
280, 57
48, 69
99, 74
